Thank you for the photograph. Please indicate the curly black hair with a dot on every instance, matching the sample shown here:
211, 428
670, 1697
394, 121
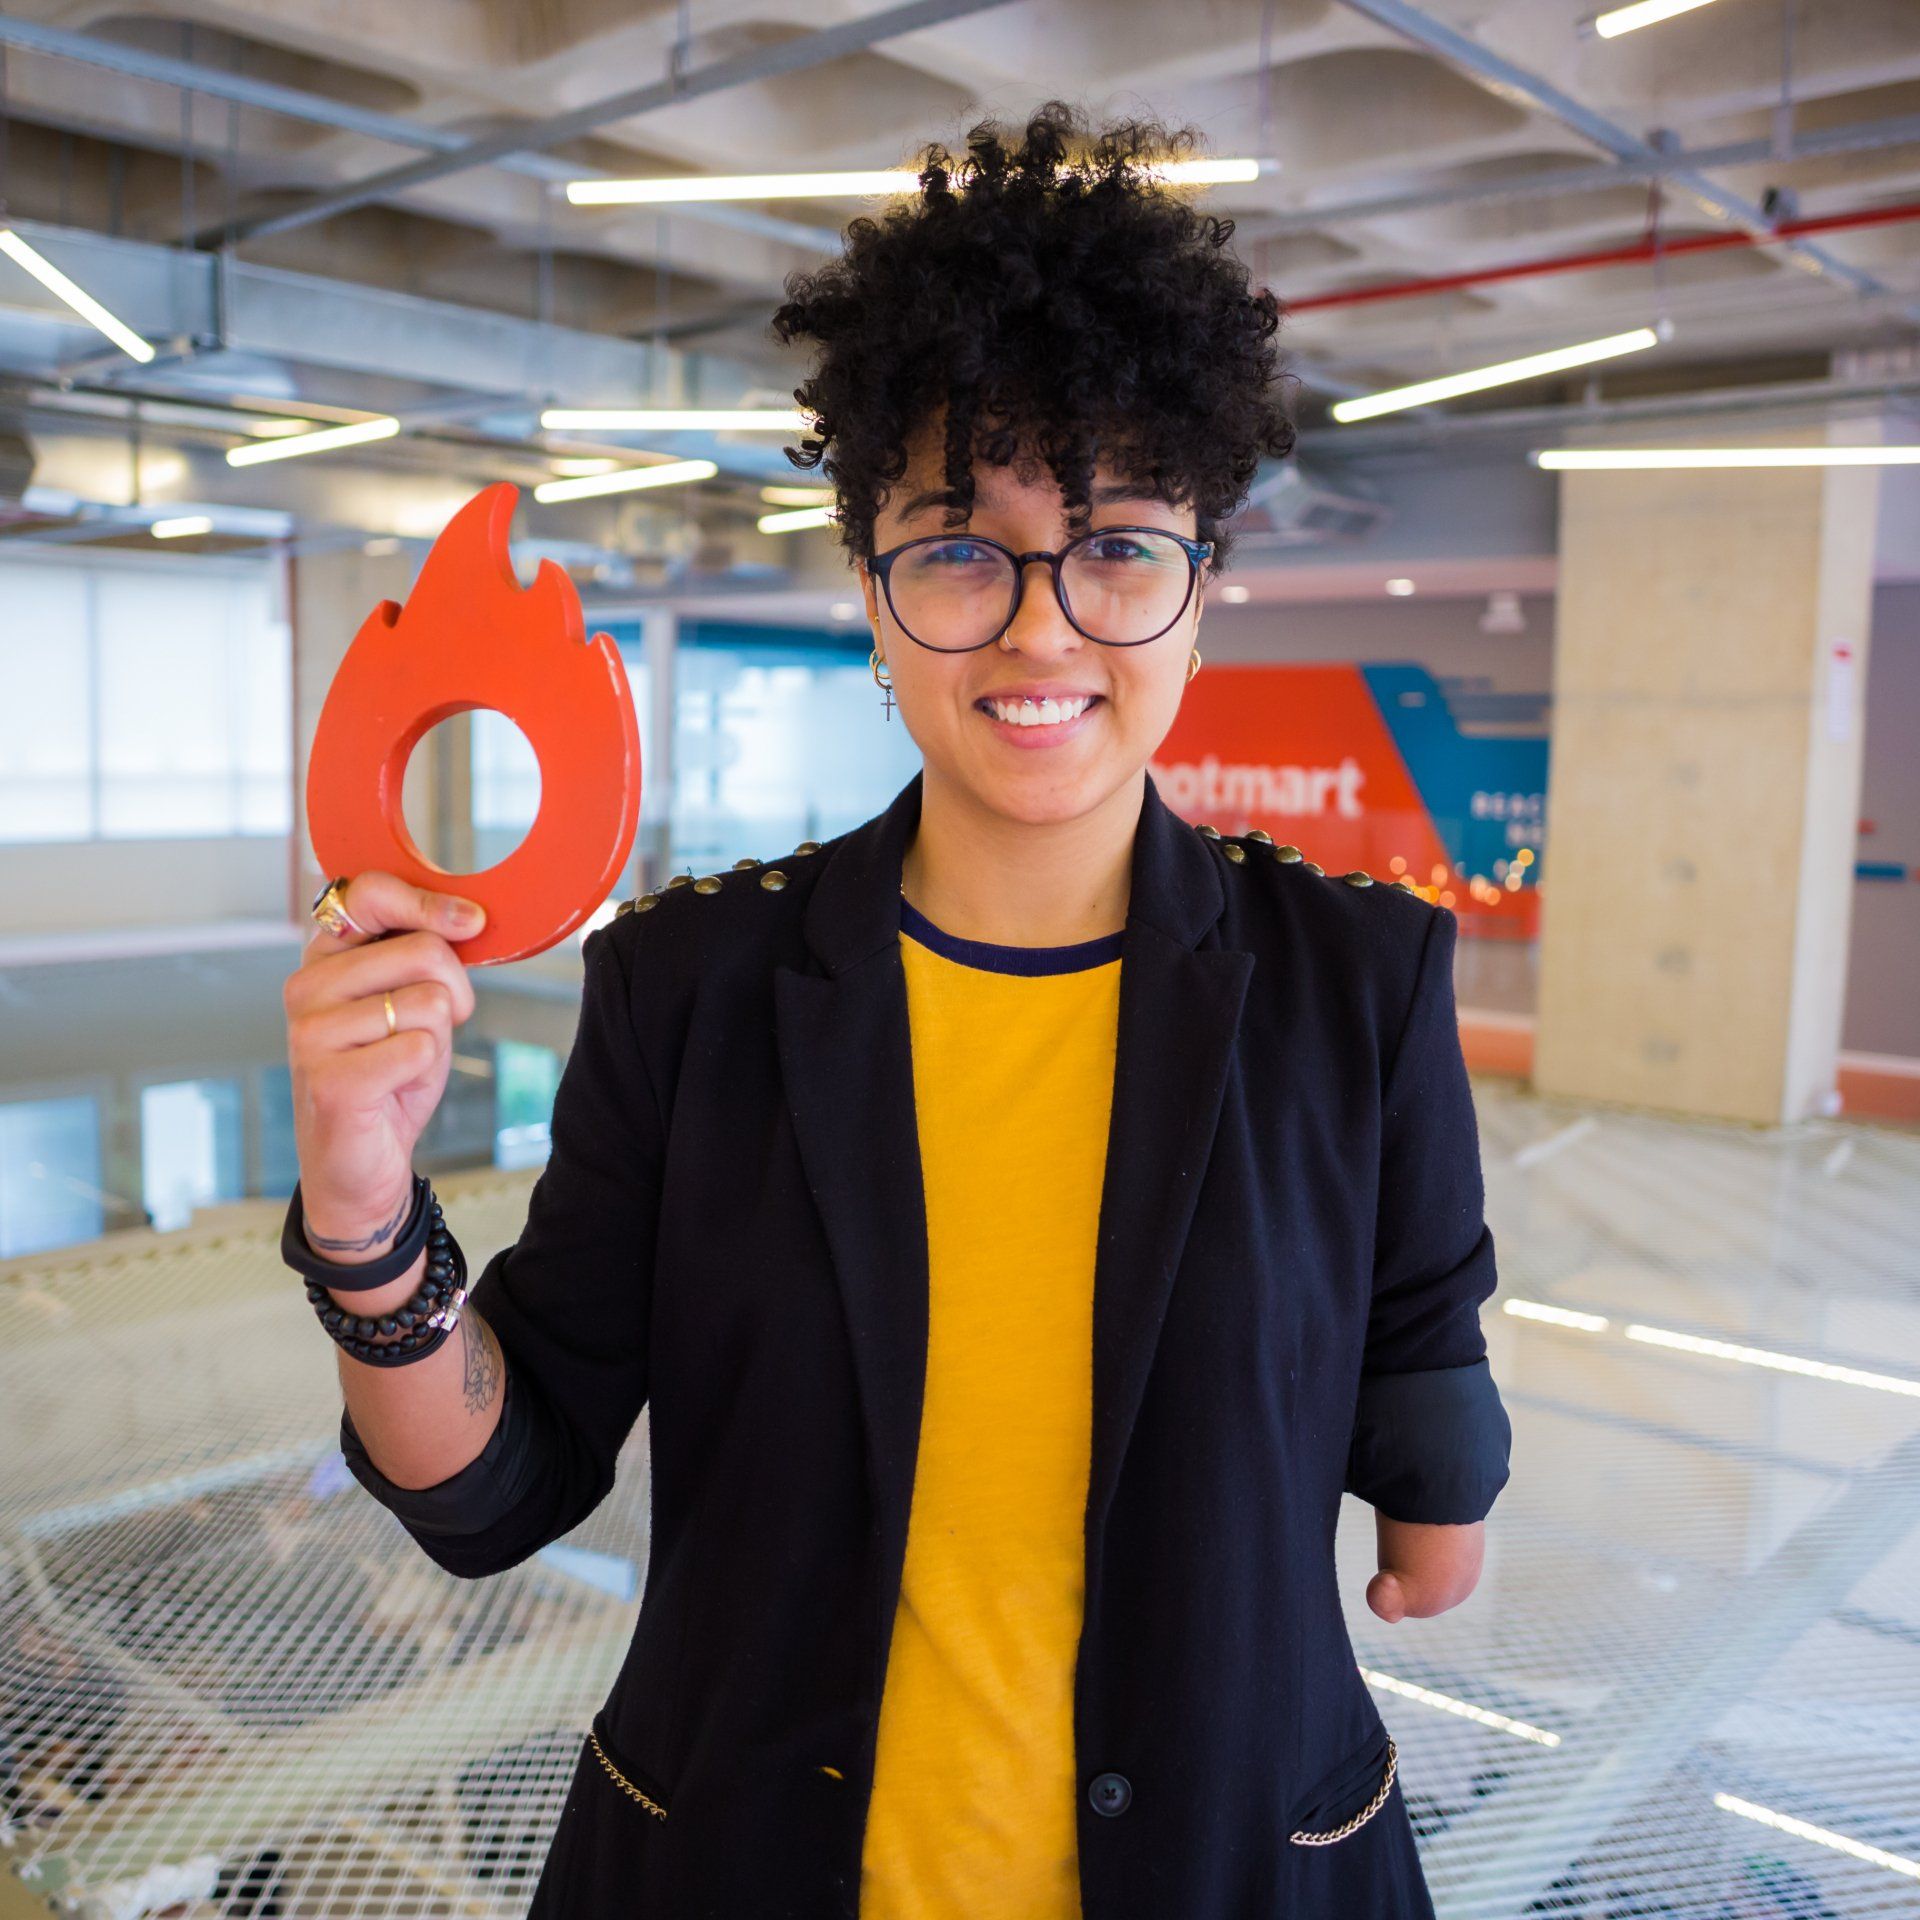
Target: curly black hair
1061, 304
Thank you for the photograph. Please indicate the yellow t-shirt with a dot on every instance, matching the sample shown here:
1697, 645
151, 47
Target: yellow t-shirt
975, 1796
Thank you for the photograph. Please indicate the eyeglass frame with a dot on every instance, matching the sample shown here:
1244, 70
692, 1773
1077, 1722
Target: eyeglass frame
1197, 551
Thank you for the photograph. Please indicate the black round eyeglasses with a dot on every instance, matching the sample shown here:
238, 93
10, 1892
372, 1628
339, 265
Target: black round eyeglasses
1119, 586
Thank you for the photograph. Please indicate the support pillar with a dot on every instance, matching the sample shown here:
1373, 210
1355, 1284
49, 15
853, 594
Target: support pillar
1703, 794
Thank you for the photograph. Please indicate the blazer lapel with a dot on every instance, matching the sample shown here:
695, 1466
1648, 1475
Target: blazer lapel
847, 1065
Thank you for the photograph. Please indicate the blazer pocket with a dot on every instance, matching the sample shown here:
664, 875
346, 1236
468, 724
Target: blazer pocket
1348, 1795
643, 1787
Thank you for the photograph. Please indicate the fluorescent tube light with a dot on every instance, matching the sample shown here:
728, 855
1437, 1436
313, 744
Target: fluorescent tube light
1643, 13
857, 183
777, 496
673, 419
1365, 406
795, 519
83, 303
1901, 1863
1650, 459
383, 427
669, 473
577, 467
182, 526
1778, 1362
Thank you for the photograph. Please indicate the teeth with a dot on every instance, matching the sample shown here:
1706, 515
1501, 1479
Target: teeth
1048, 713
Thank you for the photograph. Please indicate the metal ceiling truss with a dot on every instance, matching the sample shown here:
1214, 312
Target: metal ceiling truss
759, 63
1515, 83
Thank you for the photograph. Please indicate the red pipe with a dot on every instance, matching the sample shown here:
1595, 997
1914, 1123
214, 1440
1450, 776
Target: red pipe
1609, 257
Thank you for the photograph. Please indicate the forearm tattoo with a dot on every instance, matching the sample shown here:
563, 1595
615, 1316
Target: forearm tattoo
318, 1241
484, 1365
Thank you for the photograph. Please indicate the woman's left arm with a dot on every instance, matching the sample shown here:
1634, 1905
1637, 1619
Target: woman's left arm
1431, 1437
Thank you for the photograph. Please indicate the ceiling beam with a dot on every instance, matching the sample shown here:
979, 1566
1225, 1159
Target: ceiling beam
759, 63
317, 109
1587, 177
1517, 85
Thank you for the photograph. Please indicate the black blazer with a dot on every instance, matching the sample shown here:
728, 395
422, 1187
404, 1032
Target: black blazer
1291, 1260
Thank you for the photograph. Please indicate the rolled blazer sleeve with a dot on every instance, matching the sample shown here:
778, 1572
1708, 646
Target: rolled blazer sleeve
570, 1301
1431, 1438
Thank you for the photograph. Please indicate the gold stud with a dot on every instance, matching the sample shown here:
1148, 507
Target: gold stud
808, 846
773, 879
707, 883
1311, 866
1359, 877
623, 909
1212, 833
1404, 884
1289, 854
681, 880
646, 903
1233, 853
1260, 834
741, 865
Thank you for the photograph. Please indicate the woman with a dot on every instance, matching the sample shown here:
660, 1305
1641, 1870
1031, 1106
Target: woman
1024, 1215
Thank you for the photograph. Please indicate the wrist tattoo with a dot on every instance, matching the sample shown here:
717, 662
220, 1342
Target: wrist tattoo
321, 1241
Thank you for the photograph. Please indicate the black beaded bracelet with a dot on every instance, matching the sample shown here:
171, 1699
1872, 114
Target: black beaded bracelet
423, 1322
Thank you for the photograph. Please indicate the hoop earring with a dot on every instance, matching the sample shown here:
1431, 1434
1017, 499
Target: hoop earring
1193, 665
874, 664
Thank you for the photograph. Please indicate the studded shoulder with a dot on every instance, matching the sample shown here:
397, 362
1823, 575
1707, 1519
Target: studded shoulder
772, 878
1259, 844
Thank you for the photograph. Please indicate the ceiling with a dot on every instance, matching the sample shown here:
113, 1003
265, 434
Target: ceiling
1411, 144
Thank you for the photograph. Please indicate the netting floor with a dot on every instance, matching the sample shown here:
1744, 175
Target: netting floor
1688, 1684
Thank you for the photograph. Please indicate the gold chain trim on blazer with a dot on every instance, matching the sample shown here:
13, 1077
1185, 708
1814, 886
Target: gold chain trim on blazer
652, 1806
1361, 1818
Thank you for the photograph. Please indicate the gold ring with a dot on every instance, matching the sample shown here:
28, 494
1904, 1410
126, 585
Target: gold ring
393, 1024
330, 911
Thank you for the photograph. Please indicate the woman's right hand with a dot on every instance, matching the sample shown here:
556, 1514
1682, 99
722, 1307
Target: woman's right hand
361, 1096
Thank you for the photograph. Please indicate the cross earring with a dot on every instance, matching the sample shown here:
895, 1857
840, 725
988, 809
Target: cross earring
874, 664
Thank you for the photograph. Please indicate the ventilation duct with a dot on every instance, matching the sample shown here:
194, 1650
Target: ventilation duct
1292, 505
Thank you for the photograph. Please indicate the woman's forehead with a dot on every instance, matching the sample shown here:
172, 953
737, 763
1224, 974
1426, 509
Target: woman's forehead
1027, 486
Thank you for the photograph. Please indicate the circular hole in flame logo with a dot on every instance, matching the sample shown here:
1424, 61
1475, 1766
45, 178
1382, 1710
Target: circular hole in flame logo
470, 637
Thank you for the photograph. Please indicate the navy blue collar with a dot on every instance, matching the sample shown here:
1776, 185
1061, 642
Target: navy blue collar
998, 959
852, 914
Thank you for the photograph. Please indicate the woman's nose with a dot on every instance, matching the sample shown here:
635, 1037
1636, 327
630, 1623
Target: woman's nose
1040, 626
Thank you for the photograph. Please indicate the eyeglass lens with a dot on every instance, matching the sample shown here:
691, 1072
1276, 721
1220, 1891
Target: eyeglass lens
1119, 587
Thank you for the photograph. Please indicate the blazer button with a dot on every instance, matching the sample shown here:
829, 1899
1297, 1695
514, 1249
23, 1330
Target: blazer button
1110, 1793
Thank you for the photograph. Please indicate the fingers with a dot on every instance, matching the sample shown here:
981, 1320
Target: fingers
1424, 1570
374, 967
382, 903
366, 1075
427, 1006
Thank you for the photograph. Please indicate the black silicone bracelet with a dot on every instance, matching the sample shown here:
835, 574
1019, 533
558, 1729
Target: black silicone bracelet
422, 1323
343, 1276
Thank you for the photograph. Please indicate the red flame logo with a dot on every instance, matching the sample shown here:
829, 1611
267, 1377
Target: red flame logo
469, 637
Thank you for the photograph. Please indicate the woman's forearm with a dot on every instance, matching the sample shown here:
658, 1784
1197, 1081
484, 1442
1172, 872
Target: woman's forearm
423, 1422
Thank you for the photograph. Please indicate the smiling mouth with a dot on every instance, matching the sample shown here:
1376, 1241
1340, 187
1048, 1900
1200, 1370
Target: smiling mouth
1039, 713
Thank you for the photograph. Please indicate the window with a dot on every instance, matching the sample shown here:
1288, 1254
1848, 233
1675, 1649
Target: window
142, 701
779, 738
191, 1147
49, 1174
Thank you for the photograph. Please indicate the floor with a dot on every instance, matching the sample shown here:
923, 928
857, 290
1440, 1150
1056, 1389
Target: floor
1688, 1684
